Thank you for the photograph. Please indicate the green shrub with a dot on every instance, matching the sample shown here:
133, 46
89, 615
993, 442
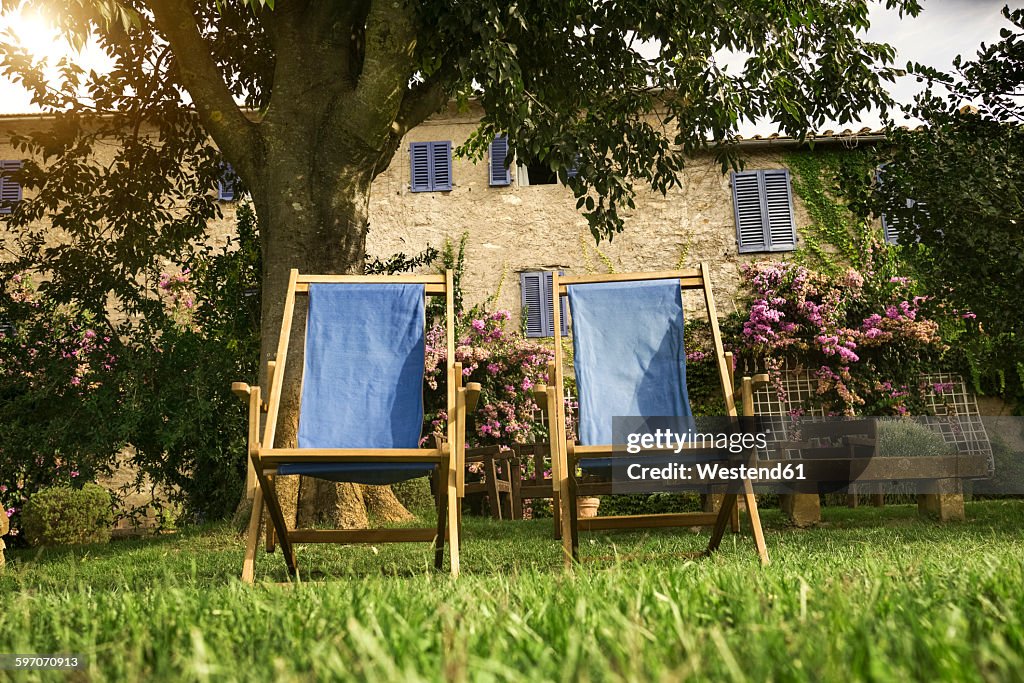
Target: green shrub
415, 495
649, 504
68, 516
906, 438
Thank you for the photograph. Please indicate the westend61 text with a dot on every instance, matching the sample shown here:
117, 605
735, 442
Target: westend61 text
715, 472
666, 439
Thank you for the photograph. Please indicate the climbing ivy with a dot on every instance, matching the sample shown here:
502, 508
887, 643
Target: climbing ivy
836, 237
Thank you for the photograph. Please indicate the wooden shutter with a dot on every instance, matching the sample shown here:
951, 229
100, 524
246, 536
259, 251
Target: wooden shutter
549, 296
892, 235
226, 184
573, 170
499, 174
419, 163
10, 190
441, 166
532, 286
751, 228
778, 202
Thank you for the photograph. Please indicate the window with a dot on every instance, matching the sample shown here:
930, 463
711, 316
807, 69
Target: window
891, 225
10, 190
533, 172
763, 202
537, 299
430, 166
500, 174
226, 184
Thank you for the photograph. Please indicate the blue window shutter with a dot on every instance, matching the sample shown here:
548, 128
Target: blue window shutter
441, 166
532, 285
419, 162
778, 203
499, 174
892, 235
10, 190
751, 226
562, 318
573, 170
226, 183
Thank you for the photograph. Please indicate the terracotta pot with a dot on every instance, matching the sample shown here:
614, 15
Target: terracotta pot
586, 506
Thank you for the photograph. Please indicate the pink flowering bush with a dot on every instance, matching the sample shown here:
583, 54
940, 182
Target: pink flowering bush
507, 366
54, 398
867, 334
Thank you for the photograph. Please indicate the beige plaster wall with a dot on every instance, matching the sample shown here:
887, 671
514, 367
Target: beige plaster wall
513, 229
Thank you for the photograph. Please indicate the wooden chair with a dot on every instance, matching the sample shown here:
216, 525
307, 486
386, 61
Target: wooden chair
444, 460
495, 484
569, 455
535, 485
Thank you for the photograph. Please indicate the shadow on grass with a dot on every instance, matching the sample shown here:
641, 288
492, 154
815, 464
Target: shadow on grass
211, 555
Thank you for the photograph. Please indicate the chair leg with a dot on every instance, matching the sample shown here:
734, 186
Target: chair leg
252, 538
458, 516
516, 479
565, 523
454, 520
755, 521
442, 518
277, 517
494, 502
574, 516
271, 538
725, 509
556, 514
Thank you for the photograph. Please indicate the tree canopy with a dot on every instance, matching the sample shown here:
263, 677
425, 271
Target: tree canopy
963, 172
309, 101
623, 91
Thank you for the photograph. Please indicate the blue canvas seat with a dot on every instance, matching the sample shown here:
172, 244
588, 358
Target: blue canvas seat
629, 360
361, 411
362, 380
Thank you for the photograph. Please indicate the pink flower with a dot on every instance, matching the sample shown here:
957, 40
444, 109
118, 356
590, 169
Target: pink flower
969, 316
74, 473
478, 325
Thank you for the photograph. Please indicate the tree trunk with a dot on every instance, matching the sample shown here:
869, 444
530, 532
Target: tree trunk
321, 222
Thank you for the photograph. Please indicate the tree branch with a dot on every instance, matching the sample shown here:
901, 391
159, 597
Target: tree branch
387, 67
422, 100
237, 136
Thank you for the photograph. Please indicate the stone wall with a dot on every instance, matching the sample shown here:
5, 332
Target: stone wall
519, 228
514, 229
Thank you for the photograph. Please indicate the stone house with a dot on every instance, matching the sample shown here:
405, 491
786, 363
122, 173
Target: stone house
522, 221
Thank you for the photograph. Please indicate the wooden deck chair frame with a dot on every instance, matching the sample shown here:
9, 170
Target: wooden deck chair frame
566, 454
447, 452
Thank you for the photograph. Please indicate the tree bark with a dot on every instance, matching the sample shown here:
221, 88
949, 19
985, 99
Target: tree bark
326, 219
341, 102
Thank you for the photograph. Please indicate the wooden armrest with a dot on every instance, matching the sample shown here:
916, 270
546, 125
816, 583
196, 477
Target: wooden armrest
472, 396
241, 390
761, 379
860, 441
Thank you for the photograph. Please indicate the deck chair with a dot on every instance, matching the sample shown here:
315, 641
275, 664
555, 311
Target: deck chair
362, 408
629, 360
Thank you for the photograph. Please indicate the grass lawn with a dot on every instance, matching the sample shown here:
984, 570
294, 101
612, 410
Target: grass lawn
872, 595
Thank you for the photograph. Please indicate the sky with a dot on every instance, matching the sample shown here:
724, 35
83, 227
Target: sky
944, 29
